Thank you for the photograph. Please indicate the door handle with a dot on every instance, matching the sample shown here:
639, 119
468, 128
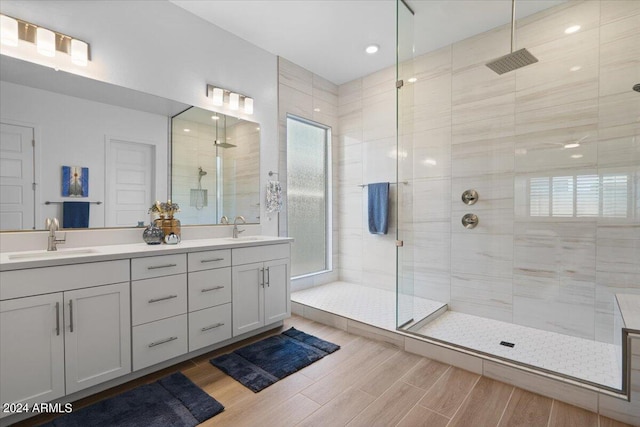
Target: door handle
262, 283
268, 277
57, 318
162, 299
212, 289
153, 267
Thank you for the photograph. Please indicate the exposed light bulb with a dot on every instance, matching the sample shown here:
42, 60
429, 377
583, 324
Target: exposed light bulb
79, 52
8, 31
46, 42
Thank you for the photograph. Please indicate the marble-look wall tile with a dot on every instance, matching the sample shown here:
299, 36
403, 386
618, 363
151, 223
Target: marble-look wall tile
550, 24
475, 253
379, 261
378, 160
619, 53
350, 92
619, 151
324, 90
565, 116
554, 316
432, 153
380, 81
431, 200
433, 64
295, 76
297, 102
431, 103
494, 156
480, 49
433, 284
612, 10
620, 109
379, 116
567, 72
489, 297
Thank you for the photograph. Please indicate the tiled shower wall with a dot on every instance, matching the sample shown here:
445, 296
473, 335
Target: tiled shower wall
550, 262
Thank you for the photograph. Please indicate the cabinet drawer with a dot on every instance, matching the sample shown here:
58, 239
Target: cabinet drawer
158, 298
209, 326
23, 283
209, 288
260, 253
209, 259
155, 266
159, 341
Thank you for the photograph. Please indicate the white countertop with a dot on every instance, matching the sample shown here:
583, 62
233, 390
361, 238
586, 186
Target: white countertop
34, 259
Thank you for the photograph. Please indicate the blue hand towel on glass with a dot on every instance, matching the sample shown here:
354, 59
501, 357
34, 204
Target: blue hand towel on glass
75, 215
378, 207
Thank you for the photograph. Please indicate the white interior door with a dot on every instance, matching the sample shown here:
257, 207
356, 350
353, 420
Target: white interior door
17, 190
130, 178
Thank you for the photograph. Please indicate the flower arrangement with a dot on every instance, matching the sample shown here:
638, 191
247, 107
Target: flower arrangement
164, 209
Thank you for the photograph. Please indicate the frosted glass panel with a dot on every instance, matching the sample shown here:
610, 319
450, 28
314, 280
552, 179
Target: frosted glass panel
307, 196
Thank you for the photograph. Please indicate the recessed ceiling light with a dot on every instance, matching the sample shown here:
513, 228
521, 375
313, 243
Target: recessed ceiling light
187, 130
572, 145
431, 162
412, 80
576, 156
317, 110
575, 68
572, 29
215, 118
372, 48
257, 128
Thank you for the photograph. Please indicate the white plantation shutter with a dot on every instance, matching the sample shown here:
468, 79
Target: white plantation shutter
539, 200
562, 196
587, 195
615, 196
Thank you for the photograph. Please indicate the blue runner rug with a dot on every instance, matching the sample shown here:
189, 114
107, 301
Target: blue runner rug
171, 401
265, 362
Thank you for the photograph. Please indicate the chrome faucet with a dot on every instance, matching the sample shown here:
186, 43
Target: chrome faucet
235, 226
224, 220
53, 225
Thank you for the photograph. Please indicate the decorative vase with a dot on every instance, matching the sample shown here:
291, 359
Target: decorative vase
152, 235
171, 225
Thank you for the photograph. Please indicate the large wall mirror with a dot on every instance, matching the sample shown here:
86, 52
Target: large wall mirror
214, 167
120, 140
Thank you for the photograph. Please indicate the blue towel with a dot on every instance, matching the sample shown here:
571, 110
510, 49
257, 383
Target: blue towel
378, 208
75, 214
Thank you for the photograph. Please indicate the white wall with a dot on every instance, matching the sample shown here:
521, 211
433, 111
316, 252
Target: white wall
158, 48
71, 132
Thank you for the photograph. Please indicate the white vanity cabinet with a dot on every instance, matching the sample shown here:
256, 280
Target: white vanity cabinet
159, 308
209, 297
261, 293
74, 337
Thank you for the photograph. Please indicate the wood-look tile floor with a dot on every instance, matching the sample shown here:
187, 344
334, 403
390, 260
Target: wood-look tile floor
367, 383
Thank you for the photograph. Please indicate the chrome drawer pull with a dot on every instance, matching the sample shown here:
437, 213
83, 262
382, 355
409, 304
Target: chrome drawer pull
212, 289
57, 318
153, 344
70, 315
153, 267
211, 260
162, 299
206, 328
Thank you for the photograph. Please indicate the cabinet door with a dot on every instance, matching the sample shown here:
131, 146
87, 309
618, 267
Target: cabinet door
97, 335
277, 302
247, 296
31, 349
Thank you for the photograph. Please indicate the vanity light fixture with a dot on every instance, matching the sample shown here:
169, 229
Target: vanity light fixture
47, 42
233, 100
8, 31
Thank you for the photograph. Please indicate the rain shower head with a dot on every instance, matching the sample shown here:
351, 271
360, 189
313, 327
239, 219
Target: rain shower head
223, 144
636, 87
514, 60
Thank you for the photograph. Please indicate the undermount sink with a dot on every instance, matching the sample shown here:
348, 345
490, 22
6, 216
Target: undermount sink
247, 238
52, 254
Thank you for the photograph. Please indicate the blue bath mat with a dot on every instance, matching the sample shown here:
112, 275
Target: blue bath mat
265, 362
171, 401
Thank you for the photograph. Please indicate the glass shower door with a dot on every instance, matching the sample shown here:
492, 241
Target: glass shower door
404, 169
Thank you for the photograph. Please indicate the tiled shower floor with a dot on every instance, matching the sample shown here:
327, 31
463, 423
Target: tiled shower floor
580, 358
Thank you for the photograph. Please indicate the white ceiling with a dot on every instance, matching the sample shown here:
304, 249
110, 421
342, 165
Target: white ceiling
328, 37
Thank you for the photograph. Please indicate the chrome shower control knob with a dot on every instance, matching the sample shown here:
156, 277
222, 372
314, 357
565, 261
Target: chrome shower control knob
470, 220
469, 197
